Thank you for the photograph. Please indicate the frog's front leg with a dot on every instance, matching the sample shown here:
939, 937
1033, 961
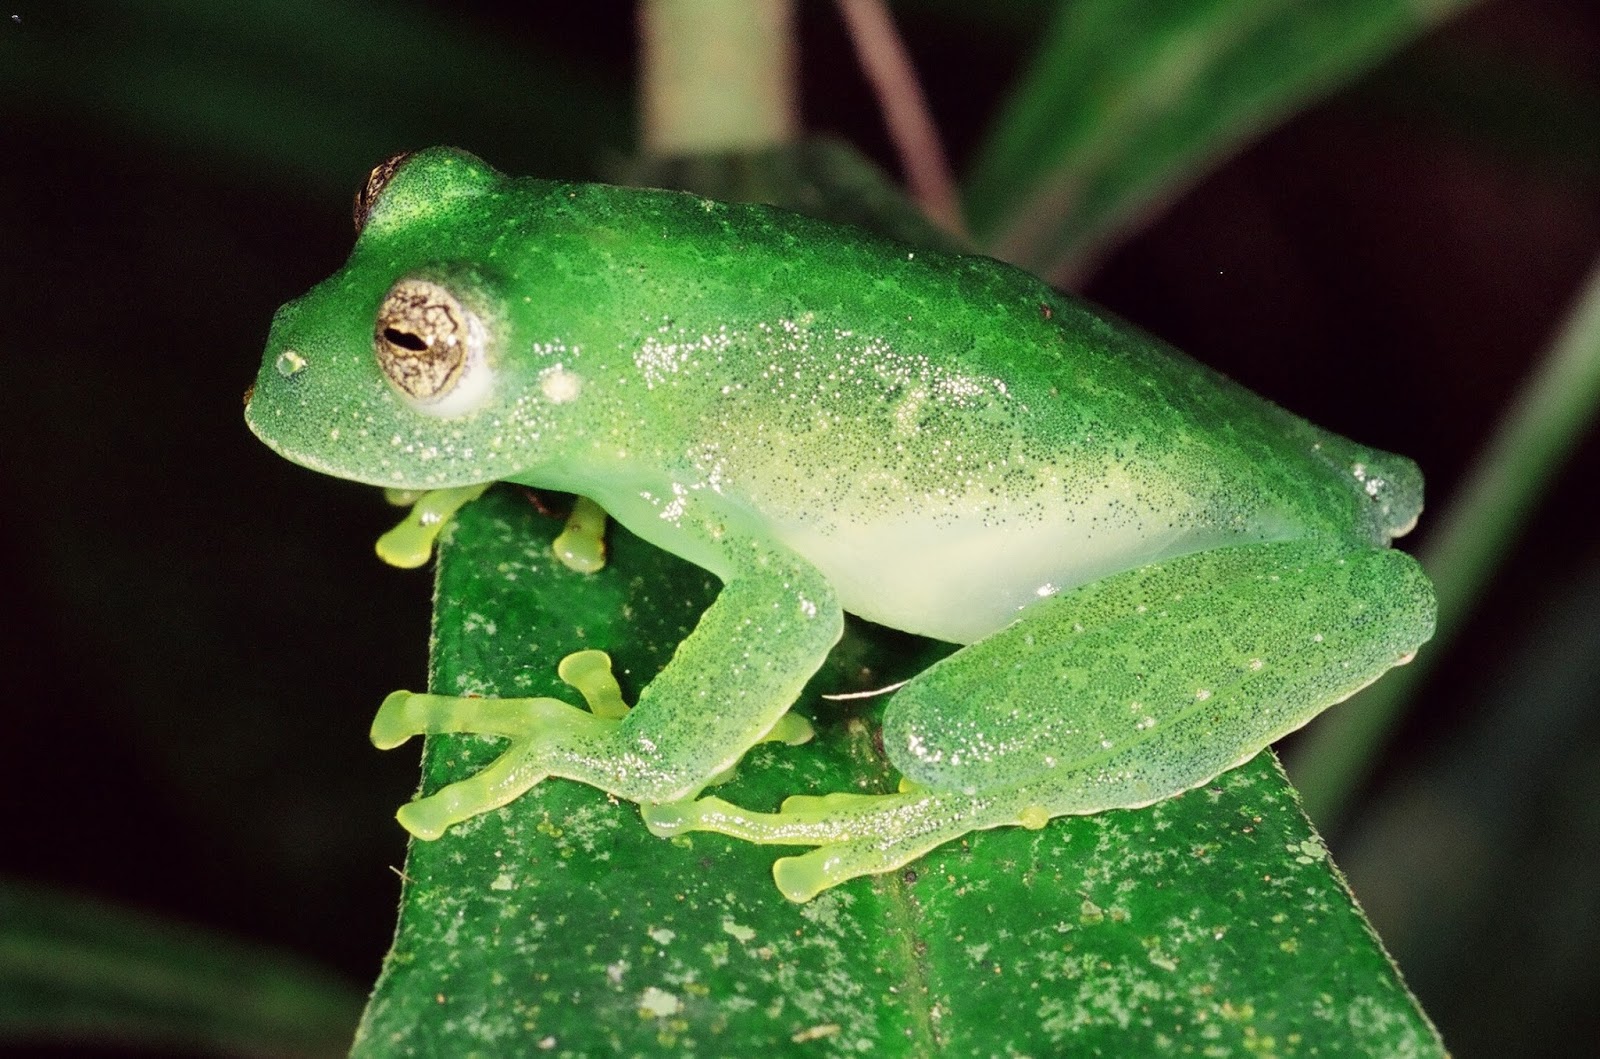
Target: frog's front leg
728, 687
1111, 696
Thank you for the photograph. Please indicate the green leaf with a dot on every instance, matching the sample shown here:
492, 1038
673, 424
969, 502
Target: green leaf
76, 970
1127, 103
1211, 923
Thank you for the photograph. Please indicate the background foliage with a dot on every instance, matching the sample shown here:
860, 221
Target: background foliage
204, 633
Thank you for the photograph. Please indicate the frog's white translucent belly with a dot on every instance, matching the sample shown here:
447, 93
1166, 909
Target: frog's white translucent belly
960, 580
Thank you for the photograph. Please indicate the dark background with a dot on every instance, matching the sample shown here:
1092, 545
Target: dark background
199, 633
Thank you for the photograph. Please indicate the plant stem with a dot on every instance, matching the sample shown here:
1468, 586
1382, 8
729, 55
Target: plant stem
718, 75
888, 69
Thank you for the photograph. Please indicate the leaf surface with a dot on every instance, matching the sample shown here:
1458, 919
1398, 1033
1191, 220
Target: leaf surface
1212, 923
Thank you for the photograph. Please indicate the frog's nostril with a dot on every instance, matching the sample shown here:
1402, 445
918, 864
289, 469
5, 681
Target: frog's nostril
249, 392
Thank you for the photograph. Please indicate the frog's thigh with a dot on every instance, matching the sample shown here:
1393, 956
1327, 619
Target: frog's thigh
1153, 681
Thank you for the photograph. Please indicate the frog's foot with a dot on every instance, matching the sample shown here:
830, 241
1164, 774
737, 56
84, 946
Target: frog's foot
410, 544
542, 731
548, 737
856, 834
581, 545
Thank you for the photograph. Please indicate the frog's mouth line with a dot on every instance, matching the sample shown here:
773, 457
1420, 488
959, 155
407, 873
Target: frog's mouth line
345, 473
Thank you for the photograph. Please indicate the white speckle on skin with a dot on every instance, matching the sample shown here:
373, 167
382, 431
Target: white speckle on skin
659, 357
559, 384
673, 512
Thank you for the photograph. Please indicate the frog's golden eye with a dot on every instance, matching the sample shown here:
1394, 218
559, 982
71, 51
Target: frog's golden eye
377, 180
427, 343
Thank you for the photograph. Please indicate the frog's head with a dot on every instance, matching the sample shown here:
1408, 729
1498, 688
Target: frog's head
407, 368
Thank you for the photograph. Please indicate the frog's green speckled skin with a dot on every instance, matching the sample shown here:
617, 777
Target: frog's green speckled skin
1158, 571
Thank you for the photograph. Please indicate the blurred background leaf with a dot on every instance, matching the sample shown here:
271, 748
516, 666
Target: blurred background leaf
1125, 105
76, 971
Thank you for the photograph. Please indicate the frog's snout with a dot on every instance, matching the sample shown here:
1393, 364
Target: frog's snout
1407, 526
249, 392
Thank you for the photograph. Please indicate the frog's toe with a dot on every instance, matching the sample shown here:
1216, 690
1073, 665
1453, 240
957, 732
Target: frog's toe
856, 834
902, 833
395, 722
804, 877
405, 714
547, 736
508, 777
666, 819
792, 729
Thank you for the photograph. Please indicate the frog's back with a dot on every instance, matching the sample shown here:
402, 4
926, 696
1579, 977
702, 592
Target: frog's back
948, 438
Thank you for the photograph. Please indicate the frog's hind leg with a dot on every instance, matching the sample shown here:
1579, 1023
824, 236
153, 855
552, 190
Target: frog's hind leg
1115, 695
857, 834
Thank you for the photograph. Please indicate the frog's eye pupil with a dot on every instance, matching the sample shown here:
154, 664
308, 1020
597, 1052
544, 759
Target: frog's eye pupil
405, 339
427, 341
